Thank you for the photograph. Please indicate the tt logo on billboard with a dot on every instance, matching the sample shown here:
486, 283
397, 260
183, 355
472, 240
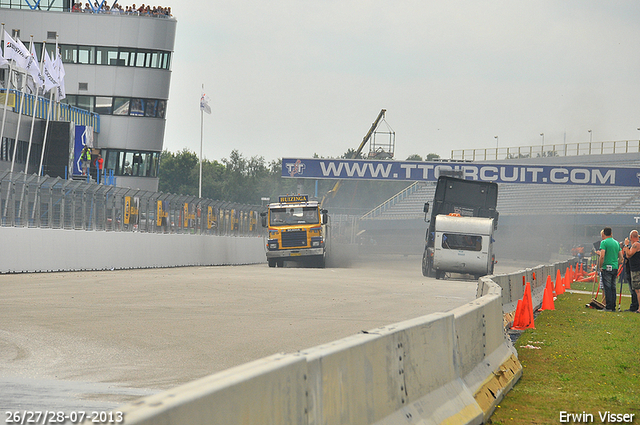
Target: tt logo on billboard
296, 168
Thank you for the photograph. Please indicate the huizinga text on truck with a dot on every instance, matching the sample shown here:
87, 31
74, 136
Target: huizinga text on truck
298, 231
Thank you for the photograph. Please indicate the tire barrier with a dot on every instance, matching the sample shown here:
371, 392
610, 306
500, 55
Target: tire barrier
452, 367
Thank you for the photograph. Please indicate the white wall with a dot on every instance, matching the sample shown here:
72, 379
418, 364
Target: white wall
34, 250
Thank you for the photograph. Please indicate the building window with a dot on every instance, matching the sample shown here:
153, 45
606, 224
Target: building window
162, 104
85, 102
137, 107
132, 163
104, 105
150, 108
112, 56
104, 55
68, 53
86, 55
121, 106
140, 59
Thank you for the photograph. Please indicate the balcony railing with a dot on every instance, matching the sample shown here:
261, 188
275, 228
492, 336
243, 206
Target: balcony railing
61, 111
545, 151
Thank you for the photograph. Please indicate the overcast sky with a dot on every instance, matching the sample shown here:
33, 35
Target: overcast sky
290, 78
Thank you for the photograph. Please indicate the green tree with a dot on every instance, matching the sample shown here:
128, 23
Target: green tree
414, 157
247, 180
432, 156
212, 179
351, 154
176, 174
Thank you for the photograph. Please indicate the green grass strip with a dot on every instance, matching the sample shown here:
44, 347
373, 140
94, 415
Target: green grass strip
580, 361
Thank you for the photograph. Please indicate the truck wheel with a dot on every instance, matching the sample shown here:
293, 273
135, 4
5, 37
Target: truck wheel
272, 262
280, 263
439, 274
321, 262
425, 264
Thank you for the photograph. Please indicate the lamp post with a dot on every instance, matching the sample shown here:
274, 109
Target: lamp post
496, 137
542, 135
590, 136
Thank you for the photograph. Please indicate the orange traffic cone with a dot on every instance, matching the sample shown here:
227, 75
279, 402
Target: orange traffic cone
568, 277
547, 299
524, 311
559, 285
527, 292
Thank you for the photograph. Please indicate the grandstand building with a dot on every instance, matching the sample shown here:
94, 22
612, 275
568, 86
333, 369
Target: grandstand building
536, 220
118, 71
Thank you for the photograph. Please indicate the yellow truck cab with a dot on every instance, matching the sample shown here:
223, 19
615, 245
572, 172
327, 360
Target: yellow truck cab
297, 231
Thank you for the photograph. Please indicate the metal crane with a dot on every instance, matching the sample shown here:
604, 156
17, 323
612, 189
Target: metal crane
330, 194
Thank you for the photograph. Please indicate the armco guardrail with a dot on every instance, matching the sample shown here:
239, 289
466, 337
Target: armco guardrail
452, 367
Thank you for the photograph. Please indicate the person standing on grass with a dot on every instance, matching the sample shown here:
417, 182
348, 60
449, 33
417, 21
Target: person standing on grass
631, 252
610, 258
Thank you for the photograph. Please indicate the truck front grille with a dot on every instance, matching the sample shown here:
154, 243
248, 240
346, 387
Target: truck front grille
294, 239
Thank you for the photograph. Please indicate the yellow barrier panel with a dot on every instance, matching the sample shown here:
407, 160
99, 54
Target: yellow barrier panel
127, 209
11, 101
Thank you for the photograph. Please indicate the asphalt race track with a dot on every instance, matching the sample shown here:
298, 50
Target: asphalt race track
84, 340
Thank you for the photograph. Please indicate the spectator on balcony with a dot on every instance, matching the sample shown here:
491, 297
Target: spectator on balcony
85, 157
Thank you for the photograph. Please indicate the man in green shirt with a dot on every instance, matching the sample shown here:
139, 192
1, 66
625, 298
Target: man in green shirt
610, 257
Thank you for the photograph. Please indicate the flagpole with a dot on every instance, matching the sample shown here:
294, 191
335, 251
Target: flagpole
6, 93
35, 109
24, 84
201, 136
46, 126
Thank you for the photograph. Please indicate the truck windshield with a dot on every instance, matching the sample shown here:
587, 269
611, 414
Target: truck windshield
463, 242
293, 215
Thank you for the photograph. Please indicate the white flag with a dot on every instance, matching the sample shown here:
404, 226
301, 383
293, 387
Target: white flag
49, 73
204, 103
3, 61
57, 65
16, 51
33, 68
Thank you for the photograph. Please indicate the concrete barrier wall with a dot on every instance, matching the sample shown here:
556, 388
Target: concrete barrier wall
270, 391
21, 248
513, 288
449, 367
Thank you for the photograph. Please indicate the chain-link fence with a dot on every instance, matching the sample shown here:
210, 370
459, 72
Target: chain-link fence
46, 202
